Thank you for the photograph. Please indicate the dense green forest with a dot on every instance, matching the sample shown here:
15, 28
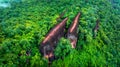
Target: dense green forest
25, 23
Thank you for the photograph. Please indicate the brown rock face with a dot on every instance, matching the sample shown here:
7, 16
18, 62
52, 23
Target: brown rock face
96, 28
72, 33
49, 43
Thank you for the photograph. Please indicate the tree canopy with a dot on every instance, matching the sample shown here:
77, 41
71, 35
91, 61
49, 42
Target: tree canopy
25, 23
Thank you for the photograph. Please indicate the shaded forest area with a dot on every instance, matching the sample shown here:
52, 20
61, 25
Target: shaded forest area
24, 25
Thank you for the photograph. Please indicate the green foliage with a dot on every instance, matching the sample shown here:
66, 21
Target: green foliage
90, 55
25, 23
63, 48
